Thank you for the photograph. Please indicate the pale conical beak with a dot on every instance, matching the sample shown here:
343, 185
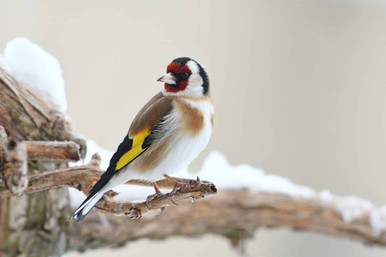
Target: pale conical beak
168, 78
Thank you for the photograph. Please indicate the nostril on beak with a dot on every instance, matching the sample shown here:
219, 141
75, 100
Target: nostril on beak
168, 78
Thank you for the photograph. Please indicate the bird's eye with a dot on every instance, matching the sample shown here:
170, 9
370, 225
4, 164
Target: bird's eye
184, 75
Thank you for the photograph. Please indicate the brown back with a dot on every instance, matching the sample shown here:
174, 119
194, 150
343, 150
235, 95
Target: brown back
151, 114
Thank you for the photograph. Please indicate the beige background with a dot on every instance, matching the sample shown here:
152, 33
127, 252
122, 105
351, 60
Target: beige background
299, 88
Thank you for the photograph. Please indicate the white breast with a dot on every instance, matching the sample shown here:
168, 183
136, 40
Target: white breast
184, 147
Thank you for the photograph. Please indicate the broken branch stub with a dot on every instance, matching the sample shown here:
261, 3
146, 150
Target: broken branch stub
53, 150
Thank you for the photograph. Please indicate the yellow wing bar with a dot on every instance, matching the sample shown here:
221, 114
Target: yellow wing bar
135, 150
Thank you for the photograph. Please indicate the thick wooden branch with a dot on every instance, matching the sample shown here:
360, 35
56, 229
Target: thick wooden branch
14, 156
52, 151
81, 177
230, 213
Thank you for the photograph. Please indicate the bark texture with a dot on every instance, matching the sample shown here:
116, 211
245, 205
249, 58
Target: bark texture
84, 177
52, 151
33, 225
235, 214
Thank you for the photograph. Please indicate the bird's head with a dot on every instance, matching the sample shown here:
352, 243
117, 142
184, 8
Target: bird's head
185, 77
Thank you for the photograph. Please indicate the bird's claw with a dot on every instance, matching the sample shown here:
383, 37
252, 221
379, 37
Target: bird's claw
177, 186
162, 211
151, 197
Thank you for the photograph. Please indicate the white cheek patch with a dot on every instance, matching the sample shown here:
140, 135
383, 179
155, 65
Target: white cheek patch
195, 80
193, 67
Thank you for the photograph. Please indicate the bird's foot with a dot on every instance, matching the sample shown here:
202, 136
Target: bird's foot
151, 197
177, 186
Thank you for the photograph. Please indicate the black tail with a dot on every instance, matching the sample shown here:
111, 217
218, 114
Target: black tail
96, 193
98, 190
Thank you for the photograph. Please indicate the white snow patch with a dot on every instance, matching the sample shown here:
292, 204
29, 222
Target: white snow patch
218, 170
378, 220
76, 197
326, 196
38, 69
353, 208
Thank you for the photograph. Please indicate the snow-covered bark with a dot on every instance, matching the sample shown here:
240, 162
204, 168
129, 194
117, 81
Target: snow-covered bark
36, 68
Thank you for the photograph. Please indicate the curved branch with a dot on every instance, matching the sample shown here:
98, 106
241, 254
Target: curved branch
226, 215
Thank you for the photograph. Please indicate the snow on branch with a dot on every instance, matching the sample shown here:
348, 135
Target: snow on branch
38, 69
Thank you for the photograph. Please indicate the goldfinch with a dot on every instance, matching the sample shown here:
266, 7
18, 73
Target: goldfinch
165, 136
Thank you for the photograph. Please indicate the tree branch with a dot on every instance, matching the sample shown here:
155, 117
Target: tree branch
84, 177
231, 213
52, 151
14, 156
225, 214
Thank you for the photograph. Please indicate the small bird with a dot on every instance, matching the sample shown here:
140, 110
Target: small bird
165, 136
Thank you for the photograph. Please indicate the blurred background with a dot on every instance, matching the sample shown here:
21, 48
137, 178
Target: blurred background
299, 89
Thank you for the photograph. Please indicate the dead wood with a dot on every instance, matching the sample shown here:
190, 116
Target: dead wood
235, 214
